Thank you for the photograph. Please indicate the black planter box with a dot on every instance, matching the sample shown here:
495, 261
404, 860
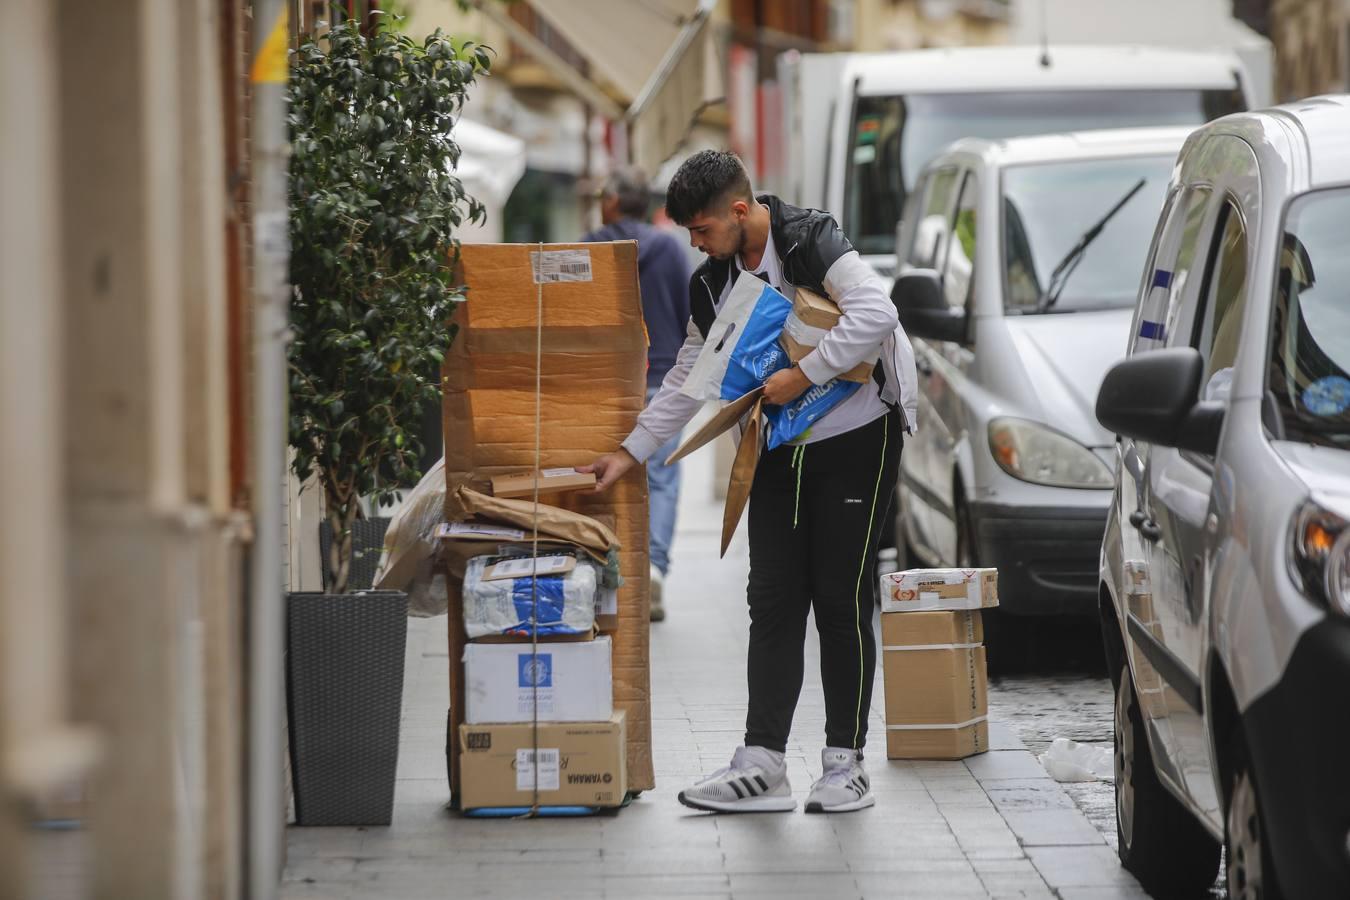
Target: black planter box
344, 697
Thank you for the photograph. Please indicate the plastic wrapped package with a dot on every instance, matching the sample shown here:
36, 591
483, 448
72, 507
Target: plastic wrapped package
408, 562
566, 603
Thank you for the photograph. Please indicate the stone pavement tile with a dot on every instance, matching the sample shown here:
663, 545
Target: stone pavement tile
672, 885
959, 795
320, 869
302, 843
958, 867
830, 884
910, 885
662, 861
1003, 737
1052, 827
999, 764
299, 890
1065, 867
767, 861
1119, 892
1019, 794
1011, 878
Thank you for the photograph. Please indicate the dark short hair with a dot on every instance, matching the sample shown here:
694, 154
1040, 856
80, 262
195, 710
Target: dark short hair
629, 184
704, 182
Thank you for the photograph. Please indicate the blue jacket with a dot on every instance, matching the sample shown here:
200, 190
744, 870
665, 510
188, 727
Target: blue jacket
663, 274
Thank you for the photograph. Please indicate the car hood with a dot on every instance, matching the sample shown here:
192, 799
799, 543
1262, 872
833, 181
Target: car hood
1064, 357
1325, 470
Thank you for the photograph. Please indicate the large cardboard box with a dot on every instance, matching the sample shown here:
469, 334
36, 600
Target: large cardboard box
934, 675
593, 385
579, 764
569, 681
917, 590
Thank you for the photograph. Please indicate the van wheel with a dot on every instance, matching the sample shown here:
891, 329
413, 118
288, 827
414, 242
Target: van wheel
1006, 641
1160, 842
904, 554
1250, 871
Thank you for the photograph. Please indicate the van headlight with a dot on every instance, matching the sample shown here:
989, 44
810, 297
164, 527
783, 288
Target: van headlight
1034, 453
1320, 554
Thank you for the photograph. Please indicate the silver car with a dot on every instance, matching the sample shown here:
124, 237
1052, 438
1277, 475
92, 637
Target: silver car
1225, 570
1021, 261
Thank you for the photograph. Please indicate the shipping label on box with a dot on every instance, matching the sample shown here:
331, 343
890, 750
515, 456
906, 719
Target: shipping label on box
569, 682
918, 590
573, 764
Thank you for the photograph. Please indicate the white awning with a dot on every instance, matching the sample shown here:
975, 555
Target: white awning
654, 53
490, 161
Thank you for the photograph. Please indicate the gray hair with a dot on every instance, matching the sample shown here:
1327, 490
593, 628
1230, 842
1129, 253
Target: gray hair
629, 184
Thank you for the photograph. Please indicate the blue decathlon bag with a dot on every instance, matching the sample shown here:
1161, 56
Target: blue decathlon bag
741, 352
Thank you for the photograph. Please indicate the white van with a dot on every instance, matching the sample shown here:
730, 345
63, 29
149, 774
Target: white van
1225, 569
1020, 260
858, 127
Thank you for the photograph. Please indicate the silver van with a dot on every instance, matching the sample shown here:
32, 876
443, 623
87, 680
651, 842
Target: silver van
1225, 569
1020, 259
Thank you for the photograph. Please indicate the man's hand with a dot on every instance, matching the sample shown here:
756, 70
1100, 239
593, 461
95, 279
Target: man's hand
785, 385
609, 468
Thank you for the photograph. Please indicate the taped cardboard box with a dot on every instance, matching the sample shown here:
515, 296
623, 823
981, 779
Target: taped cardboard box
593, 385
861, 373
917, 590
812, 316
550, 481
578, 764
935, 681
570, 682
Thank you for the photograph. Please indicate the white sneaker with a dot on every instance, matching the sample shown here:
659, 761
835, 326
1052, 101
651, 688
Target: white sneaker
756, 781
844, 786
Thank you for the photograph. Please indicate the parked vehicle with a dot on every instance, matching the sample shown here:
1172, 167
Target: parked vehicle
859, 127
1225, 569
1020, 261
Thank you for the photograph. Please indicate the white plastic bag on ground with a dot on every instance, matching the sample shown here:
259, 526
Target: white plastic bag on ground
1068, 760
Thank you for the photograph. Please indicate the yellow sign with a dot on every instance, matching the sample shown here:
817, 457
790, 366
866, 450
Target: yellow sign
270, 66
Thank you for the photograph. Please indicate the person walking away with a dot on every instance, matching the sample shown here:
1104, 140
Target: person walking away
663, 275
817, 507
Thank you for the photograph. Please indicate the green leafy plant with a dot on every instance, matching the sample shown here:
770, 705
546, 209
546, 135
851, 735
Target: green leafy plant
374, 205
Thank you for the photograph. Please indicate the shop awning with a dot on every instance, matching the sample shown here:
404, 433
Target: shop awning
656, 54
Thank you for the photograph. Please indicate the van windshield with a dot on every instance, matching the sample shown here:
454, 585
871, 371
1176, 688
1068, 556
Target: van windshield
1048, 209
893, 137
1308, 378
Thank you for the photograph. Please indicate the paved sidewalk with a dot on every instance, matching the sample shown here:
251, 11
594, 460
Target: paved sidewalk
991, 826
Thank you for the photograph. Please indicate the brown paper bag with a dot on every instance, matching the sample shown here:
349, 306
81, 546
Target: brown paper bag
742, 474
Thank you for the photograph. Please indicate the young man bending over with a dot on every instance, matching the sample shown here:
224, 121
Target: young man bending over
817, 507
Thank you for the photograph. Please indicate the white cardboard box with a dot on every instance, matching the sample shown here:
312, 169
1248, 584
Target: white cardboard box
573, 681
927, 590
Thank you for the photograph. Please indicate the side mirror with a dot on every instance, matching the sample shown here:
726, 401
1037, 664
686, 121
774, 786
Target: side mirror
924, 313
1153, 397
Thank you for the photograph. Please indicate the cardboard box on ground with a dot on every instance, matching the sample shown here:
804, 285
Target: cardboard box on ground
578, 764
592, 386
933, 664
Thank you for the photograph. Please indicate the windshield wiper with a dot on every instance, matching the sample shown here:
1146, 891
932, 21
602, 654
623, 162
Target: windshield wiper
1060, 276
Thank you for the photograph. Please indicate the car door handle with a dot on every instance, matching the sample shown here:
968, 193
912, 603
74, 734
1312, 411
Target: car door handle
924, 366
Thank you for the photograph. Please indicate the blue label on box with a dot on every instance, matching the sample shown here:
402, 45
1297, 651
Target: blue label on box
535, 670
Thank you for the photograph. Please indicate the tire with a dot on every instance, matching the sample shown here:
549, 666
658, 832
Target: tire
1005, 642
1249, 867
904, 553
1160, 842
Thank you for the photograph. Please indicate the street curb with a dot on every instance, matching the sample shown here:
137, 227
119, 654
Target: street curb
1065, 848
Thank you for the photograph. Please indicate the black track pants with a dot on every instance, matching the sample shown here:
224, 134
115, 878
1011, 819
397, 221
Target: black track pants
816, 518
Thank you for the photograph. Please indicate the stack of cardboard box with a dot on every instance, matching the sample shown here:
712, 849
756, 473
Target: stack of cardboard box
548, 371
933, 661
